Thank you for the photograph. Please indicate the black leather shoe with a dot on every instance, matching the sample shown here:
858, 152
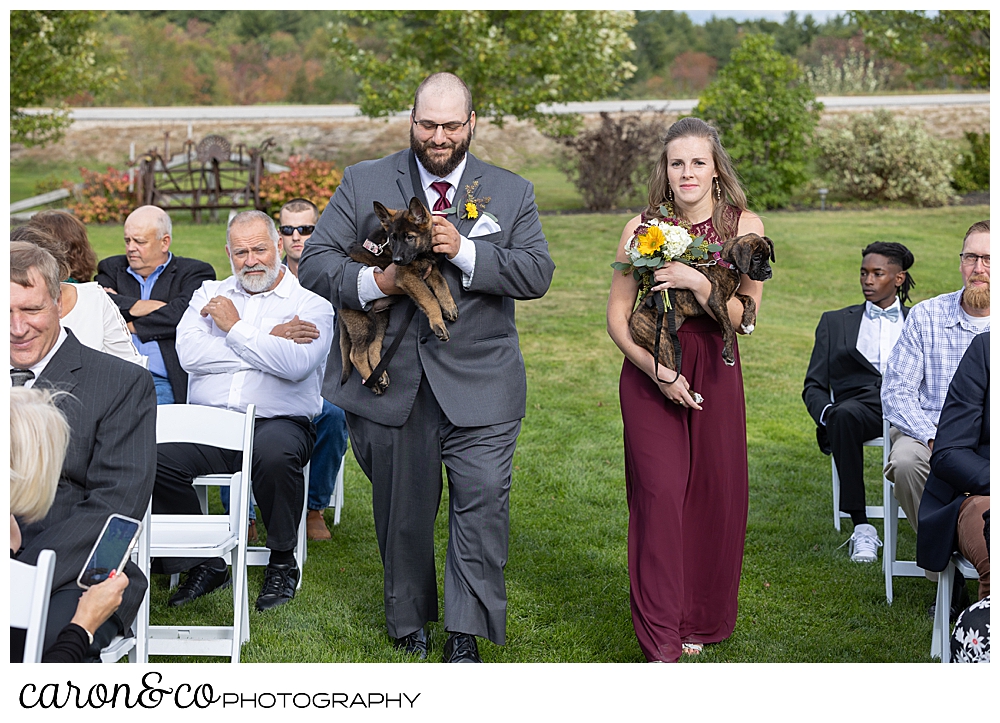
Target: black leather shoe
200, 580
413, 644
461, 648
279, 586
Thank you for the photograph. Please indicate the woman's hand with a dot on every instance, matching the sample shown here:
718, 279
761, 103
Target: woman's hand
679, 392
678, 275
99, 601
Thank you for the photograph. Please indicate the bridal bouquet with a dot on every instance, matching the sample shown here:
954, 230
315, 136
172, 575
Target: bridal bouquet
654, 243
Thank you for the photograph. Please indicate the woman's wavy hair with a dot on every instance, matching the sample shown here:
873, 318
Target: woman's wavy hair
39, 436
899, 255
71, 232
732, 192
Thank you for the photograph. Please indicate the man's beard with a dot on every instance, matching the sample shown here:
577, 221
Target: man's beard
977, 297
257, 284
444, 168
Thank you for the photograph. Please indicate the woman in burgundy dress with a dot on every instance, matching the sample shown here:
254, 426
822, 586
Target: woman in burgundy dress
685, 457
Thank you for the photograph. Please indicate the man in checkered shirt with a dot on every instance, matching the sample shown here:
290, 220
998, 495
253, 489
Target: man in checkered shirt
935, 335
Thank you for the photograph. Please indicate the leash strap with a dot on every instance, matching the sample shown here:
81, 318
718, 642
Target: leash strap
671, 330
391, 351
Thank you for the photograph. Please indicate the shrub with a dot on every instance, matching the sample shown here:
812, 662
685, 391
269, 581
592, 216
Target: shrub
765, 113
878, 157
306, 178
607, 163
853, 75
103, 197
973, 170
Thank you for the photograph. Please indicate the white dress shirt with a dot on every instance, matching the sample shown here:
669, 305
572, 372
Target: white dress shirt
465, 259
249, 365
39, 366
877, 337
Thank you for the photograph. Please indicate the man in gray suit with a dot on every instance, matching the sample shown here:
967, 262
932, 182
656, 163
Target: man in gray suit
111, 460
458, 402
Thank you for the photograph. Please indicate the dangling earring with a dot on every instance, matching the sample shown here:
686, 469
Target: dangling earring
669, 205
718, 188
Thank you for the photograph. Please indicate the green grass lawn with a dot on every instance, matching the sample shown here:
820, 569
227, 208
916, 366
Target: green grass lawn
801, 599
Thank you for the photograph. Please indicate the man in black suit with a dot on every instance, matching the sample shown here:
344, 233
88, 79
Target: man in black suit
958, 488
152, 288
851, 350
110, 464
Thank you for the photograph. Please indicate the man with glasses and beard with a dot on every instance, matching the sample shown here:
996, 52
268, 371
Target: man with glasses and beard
934, 338
249, 339
458, 402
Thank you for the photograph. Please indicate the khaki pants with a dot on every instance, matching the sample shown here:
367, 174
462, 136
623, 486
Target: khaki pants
909, 465
971, 542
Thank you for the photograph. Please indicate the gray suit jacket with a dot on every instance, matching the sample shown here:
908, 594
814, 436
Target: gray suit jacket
478, 376
110, 464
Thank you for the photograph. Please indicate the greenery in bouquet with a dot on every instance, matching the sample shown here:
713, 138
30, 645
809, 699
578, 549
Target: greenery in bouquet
657, 241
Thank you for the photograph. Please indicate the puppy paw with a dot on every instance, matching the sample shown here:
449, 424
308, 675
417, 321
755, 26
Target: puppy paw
440, 332
748, 328
450, 314
729, 362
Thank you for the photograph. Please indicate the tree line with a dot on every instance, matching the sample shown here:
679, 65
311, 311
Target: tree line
513, 60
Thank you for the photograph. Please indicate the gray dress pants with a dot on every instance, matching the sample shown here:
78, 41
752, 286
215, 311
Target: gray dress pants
404, 466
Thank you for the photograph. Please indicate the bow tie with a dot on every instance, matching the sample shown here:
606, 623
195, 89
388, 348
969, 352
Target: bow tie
892, 313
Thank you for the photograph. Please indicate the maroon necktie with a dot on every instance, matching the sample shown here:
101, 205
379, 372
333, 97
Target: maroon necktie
442, 188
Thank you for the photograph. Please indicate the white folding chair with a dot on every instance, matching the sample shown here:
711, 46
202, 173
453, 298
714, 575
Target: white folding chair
873, 511
30, 590
893, 512
941, 637
135, 645
207, 536
337, 498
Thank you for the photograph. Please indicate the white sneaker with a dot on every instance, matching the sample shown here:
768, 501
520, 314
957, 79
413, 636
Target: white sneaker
864, 544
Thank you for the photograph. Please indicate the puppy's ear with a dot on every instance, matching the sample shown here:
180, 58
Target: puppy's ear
770, 245
418, 211
742, 254
384, 214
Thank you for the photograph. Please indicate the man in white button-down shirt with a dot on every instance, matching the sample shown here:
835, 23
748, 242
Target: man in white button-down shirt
848, 360
250, 339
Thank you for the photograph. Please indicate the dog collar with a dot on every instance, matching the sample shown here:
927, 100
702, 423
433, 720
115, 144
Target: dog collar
373, 247
725, 264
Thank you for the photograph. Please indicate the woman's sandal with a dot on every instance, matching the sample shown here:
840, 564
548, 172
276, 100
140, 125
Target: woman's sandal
692, 648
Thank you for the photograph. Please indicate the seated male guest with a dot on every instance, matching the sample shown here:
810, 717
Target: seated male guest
848, 359
110, 406
152, 287
958, 488
915, 383
242, 341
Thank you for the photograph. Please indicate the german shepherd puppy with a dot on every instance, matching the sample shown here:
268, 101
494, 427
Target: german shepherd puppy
747, 254
405, 240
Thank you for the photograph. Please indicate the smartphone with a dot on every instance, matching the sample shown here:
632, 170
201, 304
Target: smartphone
110, 551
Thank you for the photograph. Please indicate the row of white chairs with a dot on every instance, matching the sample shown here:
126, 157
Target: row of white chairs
186, 536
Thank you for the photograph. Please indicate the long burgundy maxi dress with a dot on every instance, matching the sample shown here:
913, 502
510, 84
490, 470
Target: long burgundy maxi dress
687, 485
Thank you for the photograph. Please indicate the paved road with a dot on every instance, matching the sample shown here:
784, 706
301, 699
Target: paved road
318, 112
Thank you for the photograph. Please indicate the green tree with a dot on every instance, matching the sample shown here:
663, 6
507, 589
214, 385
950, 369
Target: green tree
54, 54
511, 60
952, 43
765, 113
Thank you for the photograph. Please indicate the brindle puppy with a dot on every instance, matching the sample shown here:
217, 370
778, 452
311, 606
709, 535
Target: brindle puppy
747, 254
405, 240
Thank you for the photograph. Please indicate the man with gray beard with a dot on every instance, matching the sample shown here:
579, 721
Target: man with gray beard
248, 339
934, 338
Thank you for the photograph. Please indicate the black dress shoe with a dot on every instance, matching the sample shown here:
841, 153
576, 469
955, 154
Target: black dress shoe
279, 586
200, 580
413, 644
461, 648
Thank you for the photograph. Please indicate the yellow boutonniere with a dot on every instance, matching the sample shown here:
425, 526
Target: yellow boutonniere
472, 207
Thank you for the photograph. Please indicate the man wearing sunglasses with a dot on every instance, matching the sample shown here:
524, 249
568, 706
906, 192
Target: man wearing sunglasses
296, 222
457, 403
934, 338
